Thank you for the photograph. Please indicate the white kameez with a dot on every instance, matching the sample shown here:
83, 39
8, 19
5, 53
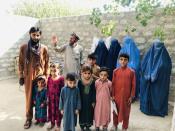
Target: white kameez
72, 57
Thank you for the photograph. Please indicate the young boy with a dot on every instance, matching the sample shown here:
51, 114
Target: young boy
123, 84
70, 103
86, 87
91, 60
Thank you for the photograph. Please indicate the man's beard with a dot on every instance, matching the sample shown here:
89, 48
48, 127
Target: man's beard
34, 42
71, 44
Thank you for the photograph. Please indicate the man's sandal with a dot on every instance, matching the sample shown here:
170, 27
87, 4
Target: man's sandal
27, 124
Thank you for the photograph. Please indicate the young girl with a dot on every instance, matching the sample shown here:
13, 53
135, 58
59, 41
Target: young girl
40, 101
86, 87
103, 96
70, 103
55, 83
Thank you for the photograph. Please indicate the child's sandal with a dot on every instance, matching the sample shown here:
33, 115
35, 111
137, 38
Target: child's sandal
57, 129
50, 127
36, 122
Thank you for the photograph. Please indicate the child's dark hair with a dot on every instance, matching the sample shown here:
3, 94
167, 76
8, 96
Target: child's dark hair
92, 56
54, 65
125, 55
71, 77
86, 68
104, 69
41, 77
34, 29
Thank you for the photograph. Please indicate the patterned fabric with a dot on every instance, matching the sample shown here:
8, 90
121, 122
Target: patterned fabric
54, 89
40, 101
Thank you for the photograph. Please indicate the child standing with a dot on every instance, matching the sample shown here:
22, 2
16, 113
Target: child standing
91, 60
70, 102
103, 97
123, 85
40, 101
86, 87
55, 83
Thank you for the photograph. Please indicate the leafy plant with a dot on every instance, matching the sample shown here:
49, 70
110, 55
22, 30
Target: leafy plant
108, 29
95, 17
145, 10
45, 9
159, 33
124, 2
170, 9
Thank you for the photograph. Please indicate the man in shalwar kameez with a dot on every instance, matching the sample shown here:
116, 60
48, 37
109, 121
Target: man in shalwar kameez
73, 54
123, 91
33, 61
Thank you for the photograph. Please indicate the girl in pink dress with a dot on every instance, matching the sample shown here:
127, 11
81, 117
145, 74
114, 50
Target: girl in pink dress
103, 97
55, 83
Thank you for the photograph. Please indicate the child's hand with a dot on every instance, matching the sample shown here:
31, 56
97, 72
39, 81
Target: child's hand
42, 105
76, 112
129, 101
93, 105
112, 98
62, 112
34, 103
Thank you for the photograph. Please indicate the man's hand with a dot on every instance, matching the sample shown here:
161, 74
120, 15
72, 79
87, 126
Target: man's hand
112, 99
21, 81
62, 112
34, 103
93, 105
54, 40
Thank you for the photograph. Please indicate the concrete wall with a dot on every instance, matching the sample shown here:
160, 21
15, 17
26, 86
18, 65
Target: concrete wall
8, 65
64, 26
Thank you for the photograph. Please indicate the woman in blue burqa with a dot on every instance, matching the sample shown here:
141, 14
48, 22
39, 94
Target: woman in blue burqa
155, 79
129, 47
